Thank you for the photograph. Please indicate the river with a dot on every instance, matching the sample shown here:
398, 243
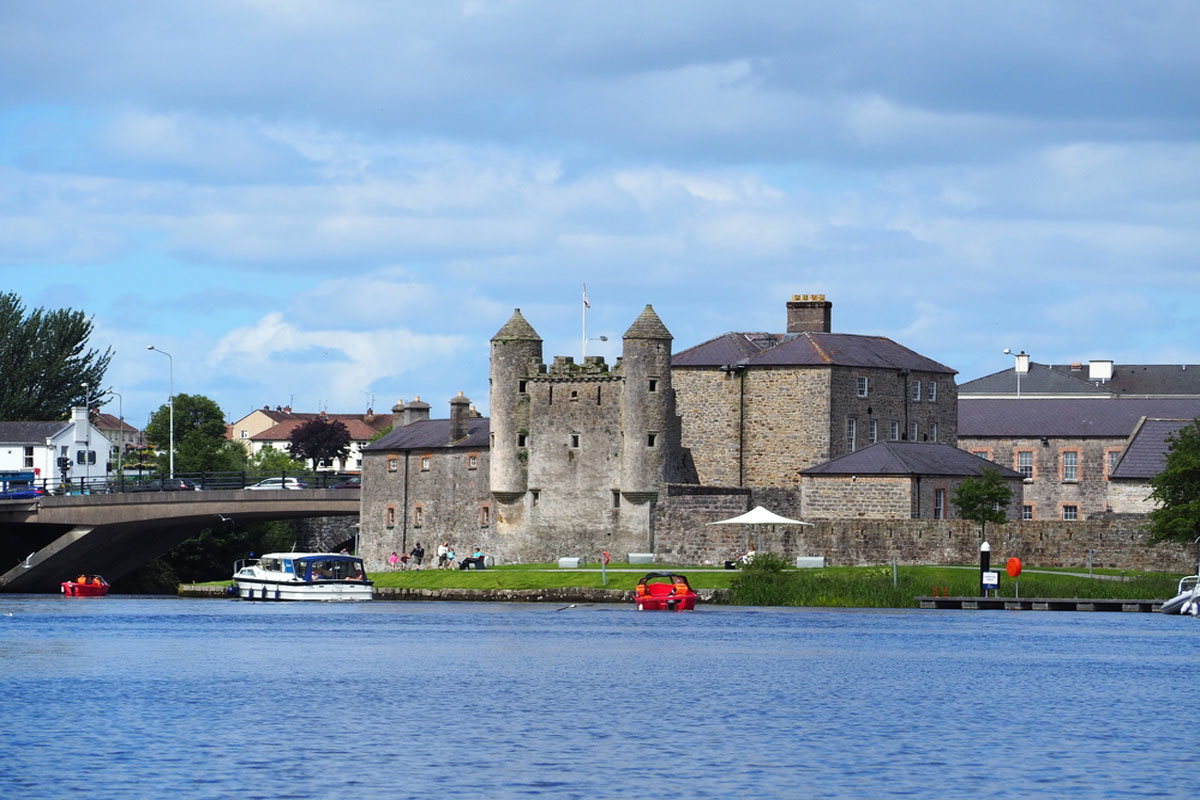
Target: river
133, 697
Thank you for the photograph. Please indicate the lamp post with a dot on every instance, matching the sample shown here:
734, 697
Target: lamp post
592, 339
171, 405
120, 433
1021, 365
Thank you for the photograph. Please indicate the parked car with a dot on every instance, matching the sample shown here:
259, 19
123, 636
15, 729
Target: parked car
349, 483
24, 493
167, 485
277, 483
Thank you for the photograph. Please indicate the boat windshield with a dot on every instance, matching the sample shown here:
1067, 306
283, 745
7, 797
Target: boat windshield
276, 564
332, 569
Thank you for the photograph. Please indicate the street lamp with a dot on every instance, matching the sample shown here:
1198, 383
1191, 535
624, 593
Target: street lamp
120, 432
592, 339
171, 402
1021, 365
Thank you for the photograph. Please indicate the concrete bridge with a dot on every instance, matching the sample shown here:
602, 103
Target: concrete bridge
46, 540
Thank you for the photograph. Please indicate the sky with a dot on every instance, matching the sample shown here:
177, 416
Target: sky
335, 205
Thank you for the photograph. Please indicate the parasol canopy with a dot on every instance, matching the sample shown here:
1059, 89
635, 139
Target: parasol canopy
759, 516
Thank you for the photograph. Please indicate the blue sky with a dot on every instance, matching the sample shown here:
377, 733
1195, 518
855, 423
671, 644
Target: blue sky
336, 204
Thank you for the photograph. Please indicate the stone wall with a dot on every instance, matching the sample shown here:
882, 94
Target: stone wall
683, 535
325, 534
1130, 497
1048, 492
708, 402
836, 496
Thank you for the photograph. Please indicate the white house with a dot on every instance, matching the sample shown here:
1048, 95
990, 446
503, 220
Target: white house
36, 447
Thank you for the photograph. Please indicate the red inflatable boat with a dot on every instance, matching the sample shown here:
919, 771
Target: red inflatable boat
664, 591
85, 586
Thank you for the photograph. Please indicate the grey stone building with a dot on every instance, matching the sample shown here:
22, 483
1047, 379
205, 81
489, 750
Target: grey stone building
897, 480
760, 408
1066, 449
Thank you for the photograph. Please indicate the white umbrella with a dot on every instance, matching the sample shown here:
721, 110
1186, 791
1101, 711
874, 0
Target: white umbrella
759, 516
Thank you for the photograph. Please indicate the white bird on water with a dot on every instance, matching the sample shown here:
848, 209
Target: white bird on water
564, 608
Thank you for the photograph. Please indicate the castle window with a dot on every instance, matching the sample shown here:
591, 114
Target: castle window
575, 441
485, 516
597, 395
1025, 464
389, 518
851, 430
616, 499
574, 396
916, 391
472, 461
418, 516
862, 385
932, 396
651, 440
894, 430
1070, 513
550, 396
1070, 466
522, 439
522, 387
534, 496
654, 384
873, 432
426, 463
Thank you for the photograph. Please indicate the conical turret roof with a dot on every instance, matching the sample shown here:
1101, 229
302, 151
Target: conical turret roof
517, 328
648, 326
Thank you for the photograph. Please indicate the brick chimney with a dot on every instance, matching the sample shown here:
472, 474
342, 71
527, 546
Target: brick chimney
809, 313
458, 417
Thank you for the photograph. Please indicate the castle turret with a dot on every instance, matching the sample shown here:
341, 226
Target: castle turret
647, 404
516, 352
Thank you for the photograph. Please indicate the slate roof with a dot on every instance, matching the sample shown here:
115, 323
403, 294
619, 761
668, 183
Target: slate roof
29, 432
810, 348
107, 422
1127, 380
517, 327
1041, 379
1031, 417
432, 434
647, 326
1146, 454
909, 458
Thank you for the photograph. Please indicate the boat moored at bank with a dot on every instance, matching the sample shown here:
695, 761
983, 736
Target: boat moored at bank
302, 576
1186, 599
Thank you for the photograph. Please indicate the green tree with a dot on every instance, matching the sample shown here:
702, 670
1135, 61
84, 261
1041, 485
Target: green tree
320, 439
200, 443
269, 461
45, 361
982, 499
1176, 489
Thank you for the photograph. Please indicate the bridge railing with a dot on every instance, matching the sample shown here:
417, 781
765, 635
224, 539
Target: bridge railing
199, 481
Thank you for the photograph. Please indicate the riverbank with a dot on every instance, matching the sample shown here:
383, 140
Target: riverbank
560, 594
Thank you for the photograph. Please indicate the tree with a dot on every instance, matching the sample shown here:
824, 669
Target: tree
45, 361
269, 461
200, 443
320, 439
1176, 489
982, 499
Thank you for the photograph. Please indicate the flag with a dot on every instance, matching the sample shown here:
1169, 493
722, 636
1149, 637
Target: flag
586, 304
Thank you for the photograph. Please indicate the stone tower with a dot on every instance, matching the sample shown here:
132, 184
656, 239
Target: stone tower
647, 405
515, 347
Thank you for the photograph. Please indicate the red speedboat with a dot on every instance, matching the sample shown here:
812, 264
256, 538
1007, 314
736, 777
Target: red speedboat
85, 586
664, 591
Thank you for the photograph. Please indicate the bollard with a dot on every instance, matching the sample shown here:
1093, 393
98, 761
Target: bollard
985, 561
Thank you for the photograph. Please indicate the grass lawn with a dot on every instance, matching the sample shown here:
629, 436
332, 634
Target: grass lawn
856, 587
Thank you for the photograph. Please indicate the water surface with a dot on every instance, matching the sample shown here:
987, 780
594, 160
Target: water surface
152, 697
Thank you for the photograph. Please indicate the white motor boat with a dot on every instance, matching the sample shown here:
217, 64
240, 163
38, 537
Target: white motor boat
302, 576
1187, 601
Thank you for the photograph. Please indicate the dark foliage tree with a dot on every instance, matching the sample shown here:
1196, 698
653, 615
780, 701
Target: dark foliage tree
982, 499
320, 439
1176, 489
45, 361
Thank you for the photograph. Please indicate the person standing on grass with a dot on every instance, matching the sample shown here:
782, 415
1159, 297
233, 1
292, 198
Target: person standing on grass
393, 560
449, 557
418, 555
443, 548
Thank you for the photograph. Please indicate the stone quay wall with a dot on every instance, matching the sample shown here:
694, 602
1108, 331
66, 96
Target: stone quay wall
683, 535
